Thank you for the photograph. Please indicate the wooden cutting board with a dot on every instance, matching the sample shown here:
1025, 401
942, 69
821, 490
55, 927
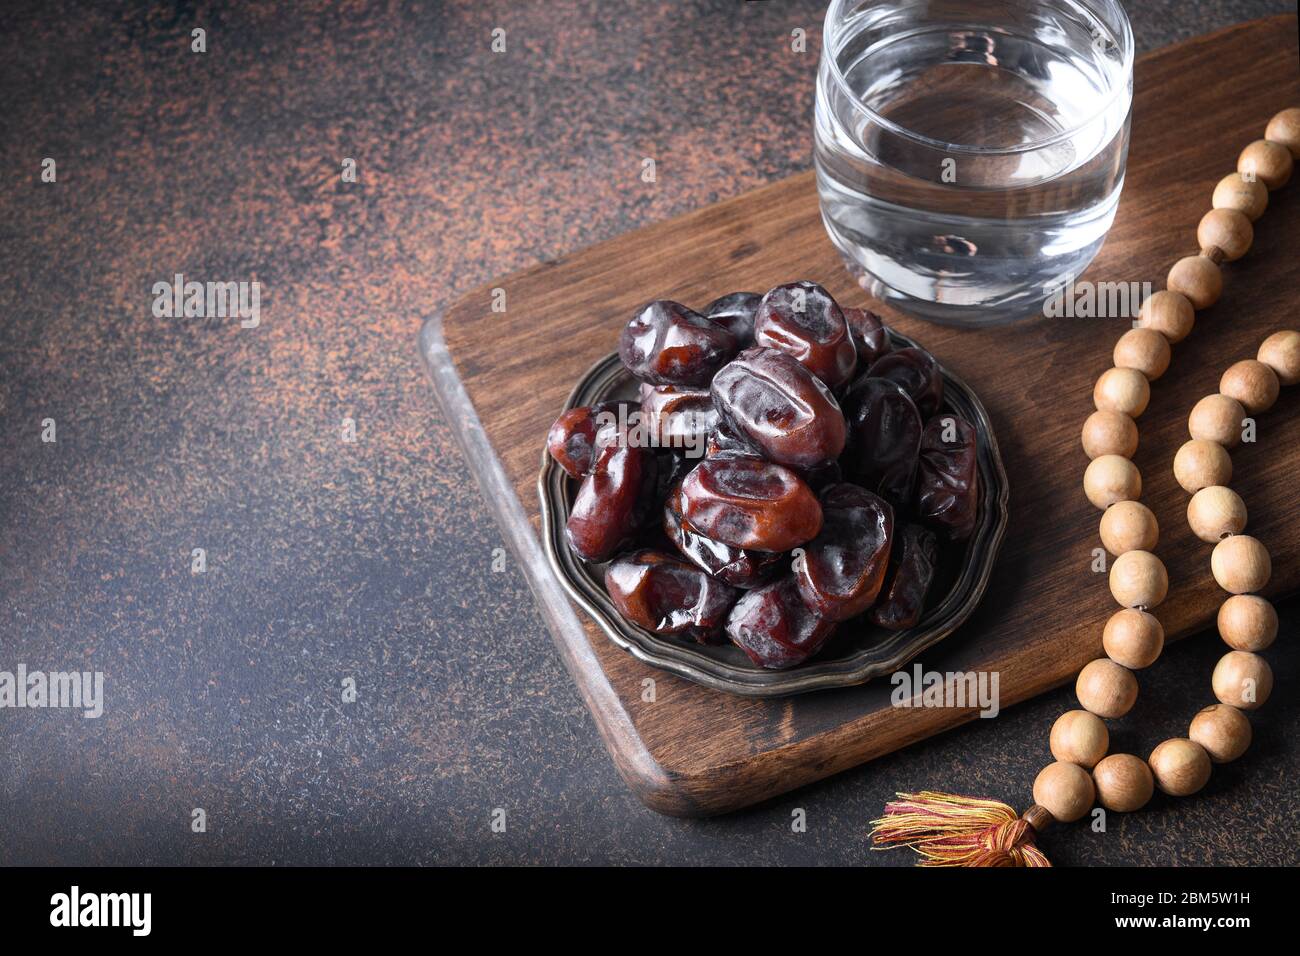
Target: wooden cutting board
687, 750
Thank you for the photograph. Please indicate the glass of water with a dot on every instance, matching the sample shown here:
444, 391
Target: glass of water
970, 153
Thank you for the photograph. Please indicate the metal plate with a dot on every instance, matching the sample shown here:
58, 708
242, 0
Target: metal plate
858, 651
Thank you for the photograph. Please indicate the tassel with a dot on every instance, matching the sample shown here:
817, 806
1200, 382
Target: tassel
951, 830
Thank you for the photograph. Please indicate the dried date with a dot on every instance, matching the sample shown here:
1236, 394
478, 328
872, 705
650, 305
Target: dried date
884, 439
804, 321
841, 570
667, 596
739, 567
669, 344
947, 482
614, 498
772, 402
870, 337
572, 439
904, 599
678, 418
775, 628
747, 502
724, 441
917, 373
735, 313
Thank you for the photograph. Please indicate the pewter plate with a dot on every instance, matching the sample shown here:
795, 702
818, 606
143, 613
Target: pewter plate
859, 650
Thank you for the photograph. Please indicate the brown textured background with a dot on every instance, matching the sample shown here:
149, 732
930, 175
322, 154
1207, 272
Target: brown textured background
374, 560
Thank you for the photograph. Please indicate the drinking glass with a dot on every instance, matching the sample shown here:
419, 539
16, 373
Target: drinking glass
970, 153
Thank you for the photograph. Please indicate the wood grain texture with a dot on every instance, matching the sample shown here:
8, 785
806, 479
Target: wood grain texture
694, 751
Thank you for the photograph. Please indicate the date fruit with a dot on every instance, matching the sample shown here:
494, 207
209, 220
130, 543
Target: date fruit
772, 402
917, 373
802, 320
678, 418
747, 502
668, 596
947, 482
669, 344
739, 567
904, 598
572, 439
614, 498
775, 628
735, 313
884, 439
841, 570
870, 337
724, 441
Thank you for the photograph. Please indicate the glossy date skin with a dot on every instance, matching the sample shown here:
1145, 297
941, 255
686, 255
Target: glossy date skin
735, 313
840, 572
747, 502
947, 482
884, 439
614, 498
679, 418
904, 599
802, 320
775, 628
739, 567
668, 596
572, 439
769, 400
724, 441
668, 344
869, 335
917, 373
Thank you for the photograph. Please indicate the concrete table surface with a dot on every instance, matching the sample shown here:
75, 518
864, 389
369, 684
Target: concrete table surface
373, 562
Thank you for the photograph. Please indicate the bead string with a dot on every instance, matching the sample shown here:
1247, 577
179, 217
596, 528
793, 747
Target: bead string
1133, 638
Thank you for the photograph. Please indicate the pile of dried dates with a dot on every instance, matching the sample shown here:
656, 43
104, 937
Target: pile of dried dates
785, 471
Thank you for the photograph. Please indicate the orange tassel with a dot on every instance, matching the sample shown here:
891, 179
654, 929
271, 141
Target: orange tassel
951, 830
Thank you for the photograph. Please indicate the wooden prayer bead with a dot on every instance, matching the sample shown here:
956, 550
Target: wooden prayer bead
1247, 622
1227, 230
1124, 783
1109, 479
1064, 790
1284, 128
1106, 688
1200, 463
1133, 639
1217, 418
1281, 353
1180, 766
1216, 512
1145, 350
1110, 433
1129, 526
1240, 564
1198, 279
1222, 731
1123, 390
1168, 313
1139, 579
1252, 383
1249, 197
1269, 162
1242, 679
1079, 737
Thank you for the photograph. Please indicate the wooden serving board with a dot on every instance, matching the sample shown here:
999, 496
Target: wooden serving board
695, 751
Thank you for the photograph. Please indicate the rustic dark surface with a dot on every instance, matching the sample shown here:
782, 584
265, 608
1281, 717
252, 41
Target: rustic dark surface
374, 560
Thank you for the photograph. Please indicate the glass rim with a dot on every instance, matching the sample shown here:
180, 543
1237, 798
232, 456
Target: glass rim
1126, 42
